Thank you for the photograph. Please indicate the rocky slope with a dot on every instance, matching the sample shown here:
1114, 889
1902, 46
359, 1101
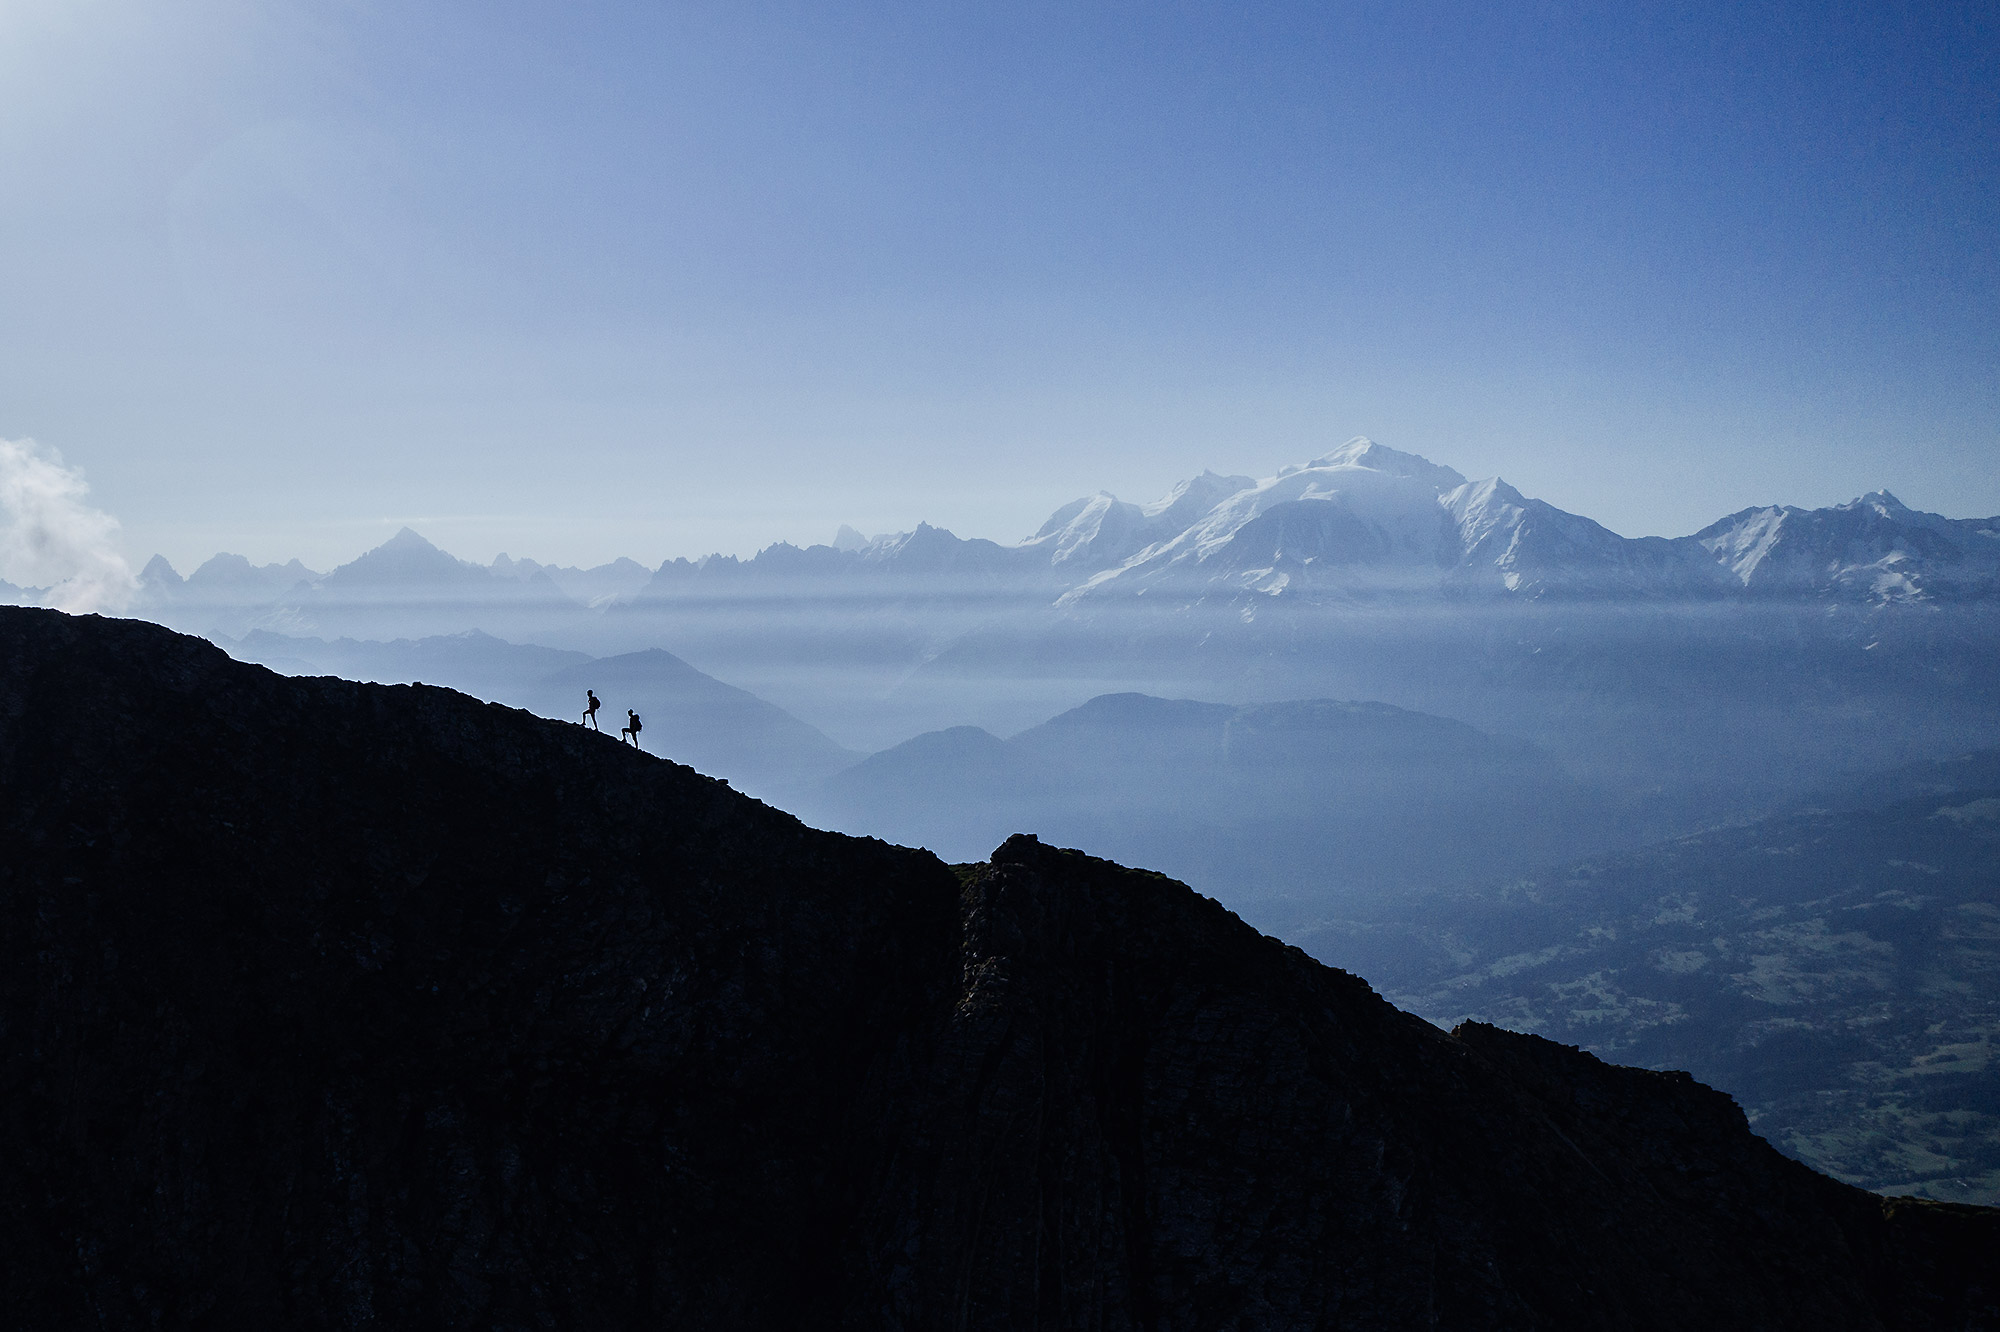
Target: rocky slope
689, 716
339, 1005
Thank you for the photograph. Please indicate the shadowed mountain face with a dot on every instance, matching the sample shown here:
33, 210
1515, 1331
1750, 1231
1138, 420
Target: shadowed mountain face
338, 1005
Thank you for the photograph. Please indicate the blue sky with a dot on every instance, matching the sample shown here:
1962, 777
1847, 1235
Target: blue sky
580, 280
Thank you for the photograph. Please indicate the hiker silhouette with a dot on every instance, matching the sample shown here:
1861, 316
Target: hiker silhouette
590, 713
631, 731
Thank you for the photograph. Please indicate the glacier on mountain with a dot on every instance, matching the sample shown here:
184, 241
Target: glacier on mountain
1874, 547
1366, 520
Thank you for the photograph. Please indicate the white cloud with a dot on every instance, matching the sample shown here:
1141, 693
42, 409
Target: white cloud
49, 536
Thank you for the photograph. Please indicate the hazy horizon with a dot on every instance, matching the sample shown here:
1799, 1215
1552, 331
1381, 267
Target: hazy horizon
321, 547
670, 280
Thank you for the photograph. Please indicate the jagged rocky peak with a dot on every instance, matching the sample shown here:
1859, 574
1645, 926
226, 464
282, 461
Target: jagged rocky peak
159, 573
1881, 501
406, 538
337, 1004
406, 557
1873, 548
229, 570
225, 567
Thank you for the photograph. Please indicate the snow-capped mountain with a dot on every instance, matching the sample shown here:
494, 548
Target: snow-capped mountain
1102, 530
1509, 543
1370, 511
1874, 547
1371, 522
1362, 522
1365, 520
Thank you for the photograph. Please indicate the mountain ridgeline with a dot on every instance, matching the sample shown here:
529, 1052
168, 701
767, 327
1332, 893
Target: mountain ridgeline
692, 716
326, 1004
1360, 522
1266, 806
1711, 673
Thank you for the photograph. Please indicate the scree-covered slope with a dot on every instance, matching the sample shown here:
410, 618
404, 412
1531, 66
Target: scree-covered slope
339, 1005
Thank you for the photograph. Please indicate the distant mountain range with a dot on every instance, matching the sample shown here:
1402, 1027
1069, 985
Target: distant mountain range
689, 716
1362, 521
404, 588
1280, 810
1368, 520
1722, 670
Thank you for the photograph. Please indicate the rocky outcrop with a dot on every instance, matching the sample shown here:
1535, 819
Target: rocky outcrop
337, 1005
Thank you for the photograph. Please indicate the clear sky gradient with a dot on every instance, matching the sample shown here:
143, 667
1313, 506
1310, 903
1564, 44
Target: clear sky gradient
575, 281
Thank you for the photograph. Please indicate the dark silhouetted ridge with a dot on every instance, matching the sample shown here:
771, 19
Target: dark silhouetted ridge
338, 1005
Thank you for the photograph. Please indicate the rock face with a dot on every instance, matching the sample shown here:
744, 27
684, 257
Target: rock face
338, 1005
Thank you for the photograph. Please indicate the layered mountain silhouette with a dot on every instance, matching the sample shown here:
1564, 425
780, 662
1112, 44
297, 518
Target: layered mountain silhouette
404, 588
1701, 677
332, 1004
696, 719
1367, 521
1362, 521
595, 587
474, 662
689, 716
1280, 809
225, 596
1364, 573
